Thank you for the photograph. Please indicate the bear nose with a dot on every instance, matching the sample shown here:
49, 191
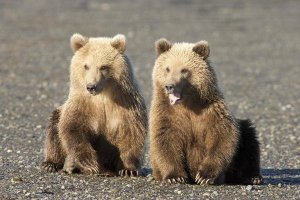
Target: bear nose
91, 87
170, 88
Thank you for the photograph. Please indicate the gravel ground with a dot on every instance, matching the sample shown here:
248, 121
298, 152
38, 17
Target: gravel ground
255, 49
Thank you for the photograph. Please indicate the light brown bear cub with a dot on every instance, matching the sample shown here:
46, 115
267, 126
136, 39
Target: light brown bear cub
193, 136
102, 126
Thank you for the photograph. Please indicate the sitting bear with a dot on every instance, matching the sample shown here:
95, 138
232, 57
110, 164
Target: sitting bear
193, 136
102, 126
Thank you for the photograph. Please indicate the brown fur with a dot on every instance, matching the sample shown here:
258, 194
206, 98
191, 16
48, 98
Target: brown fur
194, 140
101, 130
53, 151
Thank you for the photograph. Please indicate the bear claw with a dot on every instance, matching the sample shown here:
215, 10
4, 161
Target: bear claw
176, 180
126, 172
50, 167
256, 180
203, 181
87, 166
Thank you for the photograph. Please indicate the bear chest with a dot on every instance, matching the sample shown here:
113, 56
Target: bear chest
108, 118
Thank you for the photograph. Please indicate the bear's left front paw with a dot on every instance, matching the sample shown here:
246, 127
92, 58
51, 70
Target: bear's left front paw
202, 180
256, 180
127, 172
81, 163
50, 166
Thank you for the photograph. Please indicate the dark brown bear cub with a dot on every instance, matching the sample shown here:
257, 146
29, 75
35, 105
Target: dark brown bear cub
193, 135
102, 126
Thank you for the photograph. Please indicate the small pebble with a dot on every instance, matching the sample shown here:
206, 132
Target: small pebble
28, 98
39, 126
206, 194
16, 179
249, 187
150, 179
279, 185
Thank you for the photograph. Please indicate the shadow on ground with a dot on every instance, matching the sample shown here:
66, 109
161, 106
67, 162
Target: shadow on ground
271, 176
276, 176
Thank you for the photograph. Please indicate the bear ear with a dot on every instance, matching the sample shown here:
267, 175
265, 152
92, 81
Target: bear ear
202, 48
162, 45
77, 41
119, 42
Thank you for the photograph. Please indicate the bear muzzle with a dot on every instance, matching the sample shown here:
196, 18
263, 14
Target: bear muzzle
174, 95
92, 88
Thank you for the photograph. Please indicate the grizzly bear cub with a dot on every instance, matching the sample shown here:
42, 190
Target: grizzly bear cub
101, 128
193, 135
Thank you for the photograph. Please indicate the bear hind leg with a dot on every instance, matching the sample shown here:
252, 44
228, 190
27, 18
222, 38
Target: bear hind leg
245, 167
54, 155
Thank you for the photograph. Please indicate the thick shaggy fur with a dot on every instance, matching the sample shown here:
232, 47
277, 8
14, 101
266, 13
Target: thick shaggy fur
100, 129
196, 139
245, 166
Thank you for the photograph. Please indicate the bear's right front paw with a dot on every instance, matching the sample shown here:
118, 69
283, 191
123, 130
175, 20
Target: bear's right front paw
181, 180
84, 164
48, 166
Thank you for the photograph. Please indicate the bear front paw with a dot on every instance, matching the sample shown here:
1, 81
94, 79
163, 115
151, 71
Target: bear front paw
204, 180
127, 172
48, 166
256, 180
181, 180
86, 164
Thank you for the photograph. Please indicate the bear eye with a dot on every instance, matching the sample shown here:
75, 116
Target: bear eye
168, 69
184, 71
86, 67
103, 67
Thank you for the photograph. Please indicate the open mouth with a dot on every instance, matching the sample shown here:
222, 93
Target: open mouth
175, 98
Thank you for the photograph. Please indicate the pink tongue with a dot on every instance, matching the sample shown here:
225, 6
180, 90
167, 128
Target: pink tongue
174, 98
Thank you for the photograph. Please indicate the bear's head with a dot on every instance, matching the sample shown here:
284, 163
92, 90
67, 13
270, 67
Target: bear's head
183, 73
97, 62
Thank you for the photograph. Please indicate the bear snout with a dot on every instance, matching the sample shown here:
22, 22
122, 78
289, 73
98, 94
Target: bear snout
91, 88
170, 88
173, 88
